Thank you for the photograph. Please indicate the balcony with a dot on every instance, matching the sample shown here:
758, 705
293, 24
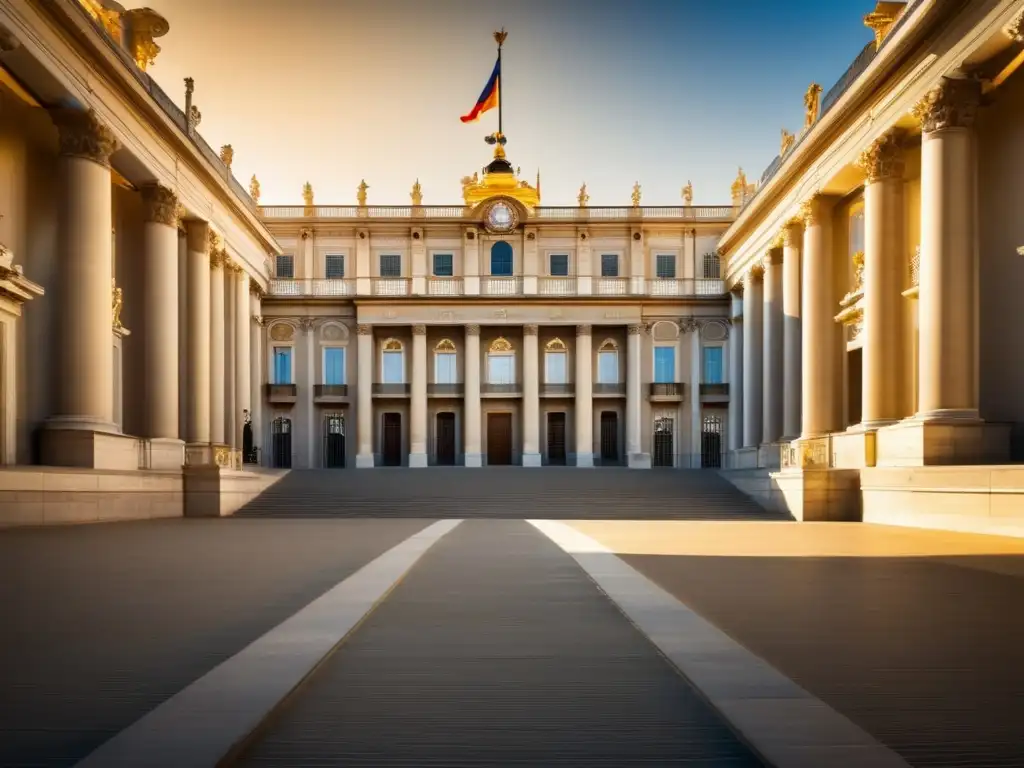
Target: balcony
444, 390
556, 286
391, 390
611, 286
325, 288
390, 286
282, 393
501, 390
557, 390
501, 286
714, 392
617, 389
330, 393
444, 286
664, 286
667, 391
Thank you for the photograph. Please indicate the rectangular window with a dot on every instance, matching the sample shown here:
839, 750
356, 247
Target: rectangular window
334, 365
282, 365
664, 365
712, 365
443, 265
608, 367
665, 266
334, 266
390, 265
392, 368
501, 369
609, 265
285, 267
559, 264
555, 368
444, 368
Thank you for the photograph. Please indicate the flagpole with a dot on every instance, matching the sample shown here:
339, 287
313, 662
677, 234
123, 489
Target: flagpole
500, 39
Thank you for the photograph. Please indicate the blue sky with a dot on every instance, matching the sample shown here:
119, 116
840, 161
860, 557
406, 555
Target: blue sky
655, 91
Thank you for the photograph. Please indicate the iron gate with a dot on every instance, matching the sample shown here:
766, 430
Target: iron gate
711, 442
391, 439
556, 438
249, 452
281, 431
609, 437
664, 448
334, 441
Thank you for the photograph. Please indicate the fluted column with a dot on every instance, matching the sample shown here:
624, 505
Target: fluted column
198, 342
471, 400
636, 456
882, 373
242, 357
819, 386
791, 331
736, 376
84, 379
364, 395
217, 353
753, 357
418, 401
948, 284
584, 396
531, 398
257, 368
772, 331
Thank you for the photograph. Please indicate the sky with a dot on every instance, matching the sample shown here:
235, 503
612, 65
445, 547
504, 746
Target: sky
608, 93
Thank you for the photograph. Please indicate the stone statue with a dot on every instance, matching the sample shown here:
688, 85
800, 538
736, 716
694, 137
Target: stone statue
361, 193
636, 194
307, 194
118, 304
254, 189
688, 193
787, 142
583, 197
812, 104
417, 193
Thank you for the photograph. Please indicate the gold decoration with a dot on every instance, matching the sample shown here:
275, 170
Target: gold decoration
307, 194
810, 211
739, 188
812, 104
1016, 28
161, 205
392, 345
583, 198
82, 134
791, 235
227, 155
108, 18
787, 141
417, 193
254, 189
501, 344
360, 193
445, 345
144, 25
500, 37
883, 159
282, 332
213, 242
556, 345
635, 197
953, 103
117, 305
881, 19
858, 269
688, 194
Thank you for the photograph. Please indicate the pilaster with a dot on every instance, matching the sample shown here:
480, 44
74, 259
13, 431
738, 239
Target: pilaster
418, 401
792, 330
819, 347
471, 399
218, 359
364, 395
753, 357
584, 396
773, 318
637, 458
531, 398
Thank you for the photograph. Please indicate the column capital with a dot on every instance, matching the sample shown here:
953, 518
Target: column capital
754, 273
635, 330
259, 320
419, 330
218, 258
792, 233
584, 329
197, 234
473, 330
255, 290
160, 205
83, 135
307, 323
690, 324
306, 232
883, 158
953, 103
364, 330
530, 330
812, 210
772, 256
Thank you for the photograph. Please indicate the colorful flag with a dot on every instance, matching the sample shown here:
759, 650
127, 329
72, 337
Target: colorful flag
490, 98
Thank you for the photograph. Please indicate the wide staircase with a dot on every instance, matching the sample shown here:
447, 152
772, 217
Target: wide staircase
565, 493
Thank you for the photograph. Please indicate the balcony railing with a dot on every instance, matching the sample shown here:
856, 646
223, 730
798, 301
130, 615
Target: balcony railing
501, 286
500, 389
441, 390
712, 213
714, 389
667, 389
557, 389
663, 286
618, 388
390, 286
330, 390
611, 286
556, 286
391, 389
282, 392
312, 287
444, 286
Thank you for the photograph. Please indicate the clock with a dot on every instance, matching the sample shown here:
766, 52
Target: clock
501, 217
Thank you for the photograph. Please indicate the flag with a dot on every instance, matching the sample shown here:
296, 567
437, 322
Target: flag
490, 98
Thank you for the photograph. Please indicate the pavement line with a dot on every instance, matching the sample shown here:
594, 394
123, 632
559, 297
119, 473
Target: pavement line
202, 723
785, 724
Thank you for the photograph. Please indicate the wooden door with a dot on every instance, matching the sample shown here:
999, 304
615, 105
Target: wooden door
445, 437
556, 438
609, 437
391, 441
499, 439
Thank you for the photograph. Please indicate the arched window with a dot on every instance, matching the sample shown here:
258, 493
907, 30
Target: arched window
556, 362
392, 364
608, 362
501, 362
501, 259
445, 370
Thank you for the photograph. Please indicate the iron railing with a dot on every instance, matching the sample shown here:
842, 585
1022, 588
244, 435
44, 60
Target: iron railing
275, 391
714, 389
710, 213
667, 389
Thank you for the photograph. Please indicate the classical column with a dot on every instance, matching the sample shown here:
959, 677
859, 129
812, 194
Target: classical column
471, 400
218, 256
418, 401
84, 379
198, 341
819, 388
753, 374
160, 304
584, 397
773, 347
882, 377
948, 283
364, 395
531, 398
242, 323
257, 367
182, 326
636, 456
736, 376
791, 331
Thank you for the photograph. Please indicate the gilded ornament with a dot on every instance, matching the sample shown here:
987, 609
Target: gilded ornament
254, 189
145, 24
360, 193
583, 198
858, 270
108, 18
1016, 28
501, 344
255, 289
791, 234
688, 194
953, 103
227, 155
812, 105
788, 140
417, 193
883, 159
445, 345
83, 135
213, 242
307, 194
117, 305
881, 19
635, 197
556, 345
739, 188
161, 205
810, 211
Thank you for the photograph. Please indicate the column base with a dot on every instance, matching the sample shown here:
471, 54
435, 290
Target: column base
924, 441
473, 460
164, 453
364, 461
531, 460
639, 461
769, 455
418, 460
745, 458
817, 495
87, 448
584, 460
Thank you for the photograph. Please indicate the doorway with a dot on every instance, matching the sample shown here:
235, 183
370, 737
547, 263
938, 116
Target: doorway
556, 438
499, 439
334, 441
664, 450
445, 438
609, 437
281, 440
391, 439
711, 442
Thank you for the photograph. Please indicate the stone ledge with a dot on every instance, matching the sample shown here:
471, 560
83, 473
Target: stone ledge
216, 492
818, 494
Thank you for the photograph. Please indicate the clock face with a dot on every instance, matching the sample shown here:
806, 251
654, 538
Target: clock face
501, 217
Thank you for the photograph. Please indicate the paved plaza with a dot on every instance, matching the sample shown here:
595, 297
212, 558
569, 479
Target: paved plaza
385, 632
